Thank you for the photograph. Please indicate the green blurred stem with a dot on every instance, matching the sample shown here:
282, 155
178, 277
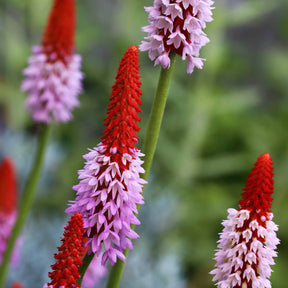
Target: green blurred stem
156, 116
27, 199
148, 149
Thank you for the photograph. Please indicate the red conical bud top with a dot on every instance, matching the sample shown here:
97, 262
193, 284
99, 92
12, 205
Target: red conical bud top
259, 186
8, 186
17, 285
121, 123
65, 270
58, 38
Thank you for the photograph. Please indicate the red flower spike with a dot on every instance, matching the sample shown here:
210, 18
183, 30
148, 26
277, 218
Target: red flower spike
65, 270
121, 122
8, 186
59, 33
259, 187
17, 285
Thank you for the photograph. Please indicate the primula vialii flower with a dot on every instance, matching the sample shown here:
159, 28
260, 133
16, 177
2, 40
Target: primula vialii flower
176, 26
8, 207
247, 243
53, 77
65, 270
110, 189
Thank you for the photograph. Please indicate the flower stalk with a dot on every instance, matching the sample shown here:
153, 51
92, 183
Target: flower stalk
156, 116
27, 200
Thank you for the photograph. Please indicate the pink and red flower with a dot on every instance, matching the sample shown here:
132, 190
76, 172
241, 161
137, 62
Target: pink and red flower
176, 26
110, 187
53, 77
247, 244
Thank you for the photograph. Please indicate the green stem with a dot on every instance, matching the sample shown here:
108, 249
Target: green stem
156, 116
27, 199
148, 149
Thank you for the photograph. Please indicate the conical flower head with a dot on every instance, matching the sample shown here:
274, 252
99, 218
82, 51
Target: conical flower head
8, 207
53, 77
176, 26
247, 243
58, 39
110, 189
65, 270
259, 187
121, 122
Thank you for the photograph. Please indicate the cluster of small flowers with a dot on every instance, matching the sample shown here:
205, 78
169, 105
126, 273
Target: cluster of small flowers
110, 187
176, 26
250, 247
53, 77
247, 243
108, 198
52, 85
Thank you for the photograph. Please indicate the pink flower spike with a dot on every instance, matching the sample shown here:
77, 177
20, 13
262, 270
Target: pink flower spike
179, 24
110, 185
247, 243
53, 77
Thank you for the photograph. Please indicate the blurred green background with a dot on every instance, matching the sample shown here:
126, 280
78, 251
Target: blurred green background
217, 122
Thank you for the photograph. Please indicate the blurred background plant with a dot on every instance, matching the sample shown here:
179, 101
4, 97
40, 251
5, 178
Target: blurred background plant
217, 122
